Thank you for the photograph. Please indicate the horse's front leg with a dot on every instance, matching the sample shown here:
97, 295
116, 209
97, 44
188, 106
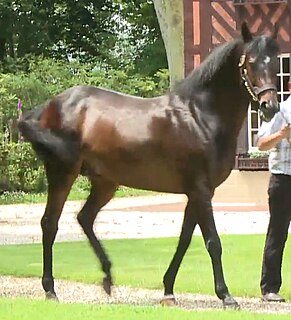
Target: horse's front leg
212, 242
59, 185
188, 226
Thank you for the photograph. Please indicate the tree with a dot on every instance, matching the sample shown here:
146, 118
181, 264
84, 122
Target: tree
119, 33
143, 34
170, 16
57, 28
6, 27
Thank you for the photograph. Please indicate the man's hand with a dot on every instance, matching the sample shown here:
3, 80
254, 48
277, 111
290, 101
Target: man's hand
269, 142
285, 131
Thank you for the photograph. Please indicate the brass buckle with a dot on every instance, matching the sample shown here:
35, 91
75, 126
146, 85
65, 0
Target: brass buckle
242, 60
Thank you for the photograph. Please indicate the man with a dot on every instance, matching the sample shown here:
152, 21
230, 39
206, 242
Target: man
276, 137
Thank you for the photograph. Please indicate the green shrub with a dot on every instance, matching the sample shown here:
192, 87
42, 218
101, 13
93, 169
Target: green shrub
19, 168
259, 154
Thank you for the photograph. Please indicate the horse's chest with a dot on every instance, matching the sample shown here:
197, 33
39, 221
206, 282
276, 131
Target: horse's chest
223, 157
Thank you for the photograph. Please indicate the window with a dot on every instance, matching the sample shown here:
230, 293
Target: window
283, 77
254, 121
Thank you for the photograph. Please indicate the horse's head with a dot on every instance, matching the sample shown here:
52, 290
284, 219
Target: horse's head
259, 66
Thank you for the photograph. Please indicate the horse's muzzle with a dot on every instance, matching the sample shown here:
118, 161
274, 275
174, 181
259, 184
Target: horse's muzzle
268, 109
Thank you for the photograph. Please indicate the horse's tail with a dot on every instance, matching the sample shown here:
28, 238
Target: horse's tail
42, 127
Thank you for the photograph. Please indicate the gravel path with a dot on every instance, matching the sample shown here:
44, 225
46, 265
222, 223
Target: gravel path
73, 292
142, 217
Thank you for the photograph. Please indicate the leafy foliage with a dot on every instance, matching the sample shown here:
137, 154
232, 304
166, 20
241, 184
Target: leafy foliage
19, 168
47, 77
143, 34
55, 28
118, 33
258, 154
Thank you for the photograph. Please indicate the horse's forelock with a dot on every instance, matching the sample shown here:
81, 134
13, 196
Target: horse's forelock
263, 45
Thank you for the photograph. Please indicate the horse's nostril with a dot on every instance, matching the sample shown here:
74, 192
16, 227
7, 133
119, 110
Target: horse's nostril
268, 109
263, 104
274, 105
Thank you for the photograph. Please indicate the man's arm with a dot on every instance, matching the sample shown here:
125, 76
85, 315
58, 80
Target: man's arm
266, 143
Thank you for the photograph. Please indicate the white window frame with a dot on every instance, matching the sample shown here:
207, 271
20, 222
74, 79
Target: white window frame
281, 75
252, 144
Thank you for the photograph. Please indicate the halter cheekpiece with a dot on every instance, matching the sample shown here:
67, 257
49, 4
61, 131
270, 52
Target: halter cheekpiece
253, 91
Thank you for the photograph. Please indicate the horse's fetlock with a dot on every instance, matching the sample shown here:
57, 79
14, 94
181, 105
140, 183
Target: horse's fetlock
106, 266
168, 282
221, 292
48, 284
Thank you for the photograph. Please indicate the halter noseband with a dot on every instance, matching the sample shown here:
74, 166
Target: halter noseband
253, 91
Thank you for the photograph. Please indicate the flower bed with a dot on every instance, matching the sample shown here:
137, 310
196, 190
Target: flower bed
244, 162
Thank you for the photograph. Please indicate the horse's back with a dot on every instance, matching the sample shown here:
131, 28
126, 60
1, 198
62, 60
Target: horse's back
75, 94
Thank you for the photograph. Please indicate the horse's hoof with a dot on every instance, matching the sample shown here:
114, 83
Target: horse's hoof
168, 301
107, 285
230, 303
51, 296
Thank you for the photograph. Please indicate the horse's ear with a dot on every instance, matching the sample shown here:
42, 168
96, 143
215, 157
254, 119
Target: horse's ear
245, 32
275, 31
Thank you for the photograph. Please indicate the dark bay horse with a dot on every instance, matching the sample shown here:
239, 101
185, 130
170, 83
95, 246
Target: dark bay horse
182, 142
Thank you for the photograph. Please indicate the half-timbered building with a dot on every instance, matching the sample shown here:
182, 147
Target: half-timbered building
208, 23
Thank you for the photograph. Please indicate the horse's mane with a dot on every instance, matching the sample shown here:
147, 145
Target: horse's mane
205, 72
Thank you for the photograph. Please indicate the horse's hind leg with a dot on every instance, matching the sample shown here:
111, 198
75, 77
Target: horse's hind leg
188, 227
59, 185
101, 192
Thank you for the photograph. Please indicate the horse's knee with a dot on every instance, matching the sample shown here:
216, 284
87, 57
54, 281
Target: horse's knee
214, 248
48, 225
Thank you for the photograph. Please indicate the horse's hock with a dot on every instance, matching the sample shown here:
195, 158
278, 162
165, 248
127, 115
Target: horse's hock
244, 187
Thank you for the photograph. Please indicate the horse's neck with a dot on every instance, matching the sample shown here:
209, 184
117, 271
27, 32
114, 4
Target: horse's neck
233, 112
232, 98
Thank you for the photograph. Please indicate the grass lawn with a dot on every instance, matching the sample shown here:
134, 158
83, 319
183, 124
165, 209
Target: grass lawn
75, 194
142, 263
21, 309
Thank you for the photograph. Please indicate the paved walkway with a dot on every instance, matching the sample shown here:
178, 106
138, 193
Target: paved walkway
135, 217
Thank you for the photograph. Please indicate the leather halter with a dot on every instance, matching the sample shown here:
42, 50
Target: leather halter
253, 91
